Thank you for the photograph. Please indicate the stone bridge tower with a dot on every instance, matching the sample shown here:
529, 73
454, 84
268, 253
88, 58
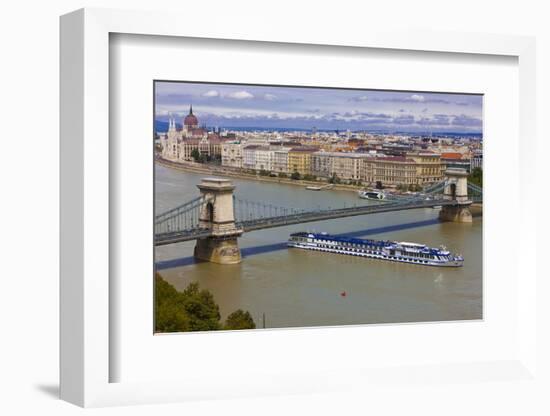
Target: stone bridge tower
217, 215
456, 189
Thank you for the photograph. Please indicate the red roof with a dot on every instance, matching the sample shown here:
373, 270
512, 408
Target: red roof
451, 155
304, 149
214, 138
198, 132
393, 158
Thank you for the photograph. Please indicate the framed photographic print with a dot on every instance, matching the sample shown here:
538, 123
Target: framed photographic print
247, 174
287, 210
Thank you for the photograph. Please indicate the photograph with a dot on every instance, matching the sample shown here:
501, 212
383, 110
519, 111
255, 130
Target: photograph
282, 206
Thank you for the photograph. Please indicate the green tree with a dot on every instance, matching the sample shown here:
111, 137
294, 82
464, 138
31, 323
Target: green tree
170, 315
192, 310
295, 176
239, 320
379, 185
283, 175
264, 172
476, 177
334, 179
413, 187
203, 312
196, 155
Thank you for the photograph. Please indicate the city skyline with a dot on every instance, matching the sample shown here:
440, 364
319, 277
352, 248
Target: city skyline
254, 106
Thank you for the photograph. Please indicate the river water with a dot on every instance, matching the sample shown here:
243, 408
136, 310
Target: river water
299, 288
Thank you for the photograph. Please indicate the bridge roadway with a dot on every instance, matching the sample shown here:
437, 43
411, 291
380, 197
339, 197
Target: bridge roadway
302, 217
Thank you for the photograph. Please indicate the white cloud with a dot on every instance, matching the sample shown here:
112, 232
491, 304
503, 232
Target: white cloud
240, 95
211, 93
416, 97
270, 97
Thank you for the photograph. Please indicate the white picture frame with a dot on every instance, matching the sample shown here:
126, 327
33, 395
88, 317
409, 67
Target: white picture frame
85, 211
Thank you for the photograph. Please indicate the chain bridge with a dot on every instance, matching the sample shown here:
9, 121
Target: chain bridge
217, 217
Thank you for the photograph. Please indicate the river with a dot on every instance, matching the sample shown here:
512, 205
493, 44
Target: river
298, 288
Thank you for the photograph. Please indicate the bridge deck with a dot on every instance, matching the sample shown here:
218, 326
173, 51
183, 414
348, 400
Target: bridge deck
302, 217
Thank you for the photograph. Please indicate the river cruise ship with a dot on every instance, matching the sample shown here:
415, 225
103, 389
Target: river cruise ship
376, 249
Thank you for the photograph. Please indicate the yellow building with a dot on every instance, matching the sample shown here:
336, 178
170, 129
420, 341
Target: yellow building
389, 170
299, 159
429, 168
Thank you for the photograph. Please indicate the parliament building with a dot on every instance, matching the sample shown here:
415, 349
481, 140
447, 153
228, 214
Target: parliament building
179, 144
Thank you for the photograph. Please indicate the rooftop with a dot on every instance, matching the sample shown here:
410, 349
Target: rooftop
451, 155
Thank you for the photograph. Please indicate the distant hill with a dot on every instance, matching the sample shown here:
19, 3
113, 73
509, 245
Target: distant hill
162, 126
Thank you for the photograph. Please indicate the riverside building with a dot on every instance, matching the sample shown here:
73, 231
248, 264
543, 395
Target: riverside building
299, 159
347, 166
429, 168
390, 170
280, 160
232, 154
179, 145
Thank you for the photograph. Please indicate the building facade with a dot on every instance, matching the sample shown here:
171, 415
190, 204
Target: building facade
476, 161
321, 164
249, 156
280, 160
390, 170
232, 154
429, 168
181, 145
299, 159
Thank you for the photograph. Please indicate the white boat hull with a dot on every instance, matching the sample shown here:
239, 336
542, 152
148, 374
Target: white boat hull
381, 256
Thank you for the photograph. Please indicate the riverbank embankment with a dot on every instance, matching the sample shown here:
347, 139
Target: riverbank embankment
226, 172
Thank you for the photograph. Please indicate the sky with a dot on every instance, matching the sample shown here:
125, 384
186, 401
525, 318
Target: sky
241, 106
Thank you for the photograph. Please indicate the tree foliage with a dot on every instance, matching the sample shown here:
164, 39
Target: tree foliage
169, 314
239, 320
196, 155
476, 177
414, 187
295, 175
334, 179
203, 312
194, 309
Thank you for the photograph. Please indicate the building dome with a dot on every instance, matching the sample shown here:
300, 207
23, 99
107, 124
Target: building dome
190, 120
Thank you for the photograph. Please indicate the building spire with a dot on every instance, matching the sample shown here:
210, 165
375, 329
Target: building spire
191, 109
171, 123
